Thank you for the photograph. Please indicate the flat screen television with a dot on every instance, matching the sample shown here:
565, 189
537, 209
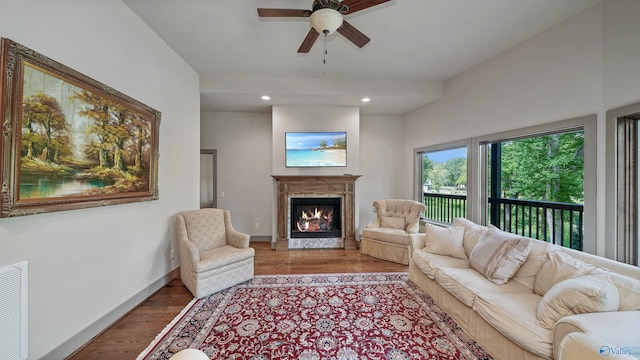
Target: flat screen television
316, 149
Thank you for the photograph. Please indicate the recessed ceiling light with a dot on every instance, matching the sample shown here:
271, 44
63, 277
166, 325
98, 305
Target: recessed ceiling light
266, 97
366, 99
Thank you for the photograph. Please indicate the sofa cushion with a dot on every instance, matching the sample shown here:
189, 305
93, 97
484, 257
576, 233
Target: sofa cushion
472, 233
559, 266
628, 288
526, 275
499, 254
514, 315
429, 263
392, 222
444, 240
394, 236
466, 283
579, 295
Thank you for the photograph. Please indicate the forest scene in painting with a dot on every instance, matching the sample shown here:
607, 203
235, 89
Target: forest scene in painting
77, 143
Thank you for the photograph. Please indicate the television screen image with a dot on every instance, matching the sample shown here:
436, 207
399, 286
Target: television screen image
316, 149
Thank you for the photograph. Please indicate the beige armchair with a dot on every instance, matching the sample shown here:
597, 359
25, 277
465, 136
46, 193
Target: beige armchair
213, 255
387, 237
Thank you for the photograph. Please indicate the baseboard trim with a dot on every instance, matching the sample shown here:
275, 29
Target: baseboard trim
261, 238
84, 337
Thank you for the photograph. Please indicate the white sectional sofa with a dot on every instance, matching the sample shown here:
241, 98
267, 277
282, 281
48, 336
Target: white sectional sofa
522, 298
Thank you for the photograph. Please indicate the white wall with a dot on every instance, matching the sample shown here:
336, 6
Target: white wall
316, 118
585, 65
621, 52
553, 76
380, 149
243, 144
85, 263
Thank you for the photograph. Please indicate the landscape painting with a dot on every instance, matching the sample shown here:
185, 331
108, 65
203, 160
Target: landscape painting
69, 141
316, 149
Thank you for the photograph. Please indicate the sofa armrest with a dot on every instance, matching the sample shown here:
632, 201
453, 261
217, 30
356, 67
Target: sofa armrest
417, 241
581, 346
619, 328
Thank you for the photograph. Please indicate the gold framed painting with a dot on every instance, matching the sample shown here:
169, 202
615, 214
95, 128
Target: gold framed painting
68, 141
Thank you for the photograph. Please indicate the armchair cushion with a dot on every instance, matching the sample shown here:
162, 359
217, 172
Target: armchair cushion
392, 222
222, 256
393, 236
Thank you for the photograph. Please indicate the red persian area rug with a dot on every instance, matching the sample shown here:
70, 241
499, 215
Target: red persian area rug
328, 316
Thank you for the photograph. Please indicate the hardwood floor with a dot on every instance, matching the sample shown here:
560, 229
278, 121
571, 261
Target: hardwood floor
133, 333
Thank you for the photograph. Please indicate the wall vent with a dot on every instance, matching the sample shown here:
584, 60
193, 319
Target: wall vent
13, 312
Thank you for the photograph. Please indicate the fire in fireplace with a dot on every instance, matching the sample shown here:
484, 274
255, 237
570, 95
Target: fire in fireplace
314, 217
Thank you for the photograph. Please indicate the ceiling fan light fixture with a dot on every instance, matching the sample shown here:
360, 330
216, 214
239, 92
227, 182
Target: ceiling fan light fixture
326, 21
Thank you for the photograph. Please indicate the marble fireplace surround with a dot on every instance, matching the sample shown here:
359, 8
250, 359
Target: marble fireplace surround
300, 186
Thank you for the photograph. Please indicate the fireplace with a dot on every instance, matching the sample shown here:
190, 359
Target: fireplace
315, 212
315, 217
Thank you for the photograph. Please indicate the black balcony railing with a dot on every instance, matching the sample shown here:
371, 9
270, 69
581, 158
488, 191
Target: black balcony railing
557, 223
444, 207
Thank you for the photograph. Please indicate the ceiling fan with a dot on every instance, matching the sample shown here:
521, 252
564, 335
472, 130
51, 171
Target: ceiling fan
326, 16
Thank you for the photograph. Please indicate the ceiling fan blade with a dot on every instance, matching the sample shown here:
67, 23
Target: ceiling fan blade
283, 12
308, 41
357, 5
352, 34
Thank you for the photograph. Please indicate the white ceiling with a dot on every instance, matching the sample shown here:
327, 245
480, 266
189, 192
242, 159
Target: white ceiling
415, 46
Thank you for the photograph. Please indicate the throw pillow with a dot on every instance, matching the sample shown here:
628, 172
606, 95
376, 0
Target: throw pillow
628, 288
579, 295
559, 266
392, 222
472, 233
444, 240
498, 255
531, 267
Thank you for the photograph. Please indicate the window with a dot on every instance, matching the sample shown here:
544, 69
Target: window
536, 187
499, 191
443, 181
536, 193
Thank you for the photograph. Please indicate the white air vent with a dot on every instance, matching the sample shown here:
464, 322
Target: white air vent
13, 312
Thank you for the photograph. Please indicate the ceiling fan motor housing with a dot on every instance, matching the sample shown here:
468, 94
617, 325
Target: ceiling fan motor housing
330, 4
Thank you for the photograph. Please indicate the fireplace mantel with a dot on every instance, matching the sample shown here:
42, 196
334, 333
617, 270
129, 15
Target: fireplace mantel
288, 186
